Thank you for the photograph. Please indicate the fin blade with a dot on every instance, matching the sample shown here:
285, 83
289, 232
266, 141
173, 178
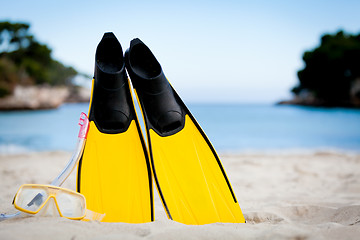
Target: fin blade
191, 180
114, 176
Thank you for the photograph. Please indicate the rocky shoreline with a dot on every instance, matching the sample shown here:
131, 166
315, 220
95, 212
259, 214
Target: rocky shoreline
308, 98
42, 97
314, 102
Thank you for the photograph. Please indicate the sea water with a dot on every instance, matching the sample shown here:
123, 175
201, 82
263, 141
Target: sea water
230, 127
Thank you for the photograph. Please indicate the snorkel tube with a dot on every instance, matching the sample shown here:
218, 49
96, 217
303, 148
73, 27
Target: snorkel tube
60, 179
84, 127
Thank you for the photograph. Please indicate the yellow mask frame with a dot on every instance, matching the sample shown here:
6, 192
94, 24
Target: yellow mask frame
40, 195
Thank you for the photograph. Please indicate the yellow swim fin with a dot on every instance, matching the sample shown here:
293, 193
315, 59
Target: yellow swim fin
188, 173
114, 172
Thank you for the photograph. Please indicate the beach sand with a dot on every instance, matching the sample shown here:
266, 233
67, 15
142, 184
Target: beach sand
283, 196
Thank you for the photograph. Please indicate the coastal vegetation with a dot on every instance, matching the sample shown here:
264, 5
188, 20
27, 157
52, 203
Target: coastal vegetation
25, 63
331, 76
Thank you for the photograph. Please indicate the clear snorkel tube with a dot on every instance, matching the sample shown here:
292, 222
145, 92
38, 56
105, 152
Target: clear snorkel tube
59, 180
84, 126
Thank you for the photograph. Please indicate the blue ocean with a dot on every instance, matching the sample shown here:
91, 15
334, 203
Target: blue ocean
230, 127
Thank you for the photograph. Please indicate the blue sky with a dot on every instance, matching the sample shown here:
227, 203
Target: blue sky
211, 51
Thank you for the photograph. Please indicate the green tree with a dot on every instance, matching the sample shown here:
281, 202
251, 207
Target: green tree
8, 76
23, 60
331, 68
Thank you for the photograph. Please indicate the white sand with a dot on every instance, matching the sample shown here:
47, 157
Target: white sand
283, 196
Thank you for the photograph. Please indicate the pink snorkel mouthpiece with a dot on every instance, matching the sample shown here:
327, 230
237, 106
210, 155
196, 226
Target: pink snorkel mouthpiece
84, 126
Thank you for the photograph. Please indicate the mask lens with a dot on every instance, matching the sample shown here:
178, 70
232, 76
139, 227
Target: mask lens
71, 205
30, 198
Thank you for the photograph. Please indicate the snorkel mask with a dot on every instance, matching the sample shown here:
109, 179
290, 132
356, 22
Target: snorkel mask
40, 199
